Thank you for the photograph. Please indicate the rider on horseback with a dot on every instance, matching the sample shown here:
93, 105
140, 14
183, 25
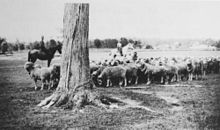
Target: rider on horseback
42, 46
119, 47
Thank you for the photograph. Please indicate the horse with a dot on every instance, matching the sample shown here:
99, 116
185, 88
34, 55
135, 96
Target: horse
47, 54
127, 51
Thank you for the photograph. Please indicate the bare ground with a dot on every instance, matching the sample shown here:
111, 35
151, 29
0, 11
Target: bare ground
184, 105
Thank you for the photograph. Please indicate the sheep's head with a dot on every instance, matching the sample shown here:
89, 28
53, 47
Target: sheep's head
28, 66
100, 80
37, 66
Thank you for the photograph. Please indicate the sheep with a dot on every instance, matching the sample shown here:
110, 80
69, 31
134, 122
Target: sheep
44, 74
113, 72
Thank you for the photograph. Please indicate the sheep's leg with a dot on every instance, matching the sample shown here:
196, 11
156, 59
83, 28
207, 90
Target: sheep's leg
191, 76
161, 79
125, 80
35, 84
148, 80
177, 78
136, 81
50, 84
170, 79
108, 83
204, 74
130, 80
43, 84
167, 79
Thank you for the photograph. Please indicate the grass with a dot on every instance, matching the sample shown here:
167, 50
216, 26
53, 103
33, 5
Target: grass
18, 100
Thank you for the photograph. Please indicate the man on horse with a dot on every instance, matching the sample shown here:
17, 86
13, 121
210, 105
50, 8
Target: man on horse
119, 47
42, 45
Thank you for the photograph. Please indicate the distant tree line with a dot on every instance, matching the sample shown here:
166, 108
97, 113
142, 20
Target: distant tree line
9, 47
217, 44
112, 43
6, 46
96, 43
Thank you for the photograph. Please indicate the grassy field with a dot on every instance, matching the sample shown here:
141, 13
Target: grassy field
183, 105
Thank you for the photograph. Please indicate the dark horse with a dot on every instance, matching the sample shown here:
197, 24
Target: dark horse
47, 54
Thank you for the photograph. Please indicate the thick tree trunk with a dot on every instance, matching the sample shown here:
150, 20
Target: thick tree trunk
75, 57
75, 86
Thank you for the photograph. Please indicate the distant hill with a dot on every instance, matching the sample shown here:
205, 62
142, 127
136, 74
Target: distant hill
178, 44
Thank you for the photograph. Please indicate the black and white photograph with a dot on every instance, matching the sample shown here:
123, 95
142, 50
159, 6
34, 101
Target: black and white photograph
110, 64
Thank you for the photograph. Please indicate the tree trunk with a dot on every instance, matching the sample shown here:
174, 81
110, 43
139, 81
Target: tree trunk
75, 86
75, 58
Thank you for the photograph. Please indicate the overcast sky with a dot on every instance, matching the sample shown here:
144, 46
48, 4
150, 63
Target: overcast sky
27, 20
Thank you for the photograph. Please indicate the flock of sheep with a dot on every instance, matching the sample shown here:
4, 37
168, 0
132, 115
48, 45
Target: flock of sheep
123, 71
152, 70
49, 76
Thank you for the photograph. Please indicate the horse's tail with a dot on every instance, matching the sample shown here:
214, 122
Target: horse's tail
29, 55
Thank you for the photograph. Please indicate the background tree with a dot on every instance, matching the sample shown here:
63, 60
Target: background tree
110, 43
131, 41
137, 44
149, 46
35, 45
75, 88
27, 46
4, 47
1, 41
97, 43
217, 44
15, 47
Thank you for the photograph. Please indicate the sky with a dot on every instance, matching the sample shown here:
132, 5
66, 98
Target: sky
28, 20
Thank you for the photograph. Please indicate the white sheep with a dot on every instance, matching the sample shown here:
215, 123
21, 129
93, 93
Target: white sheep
47, 75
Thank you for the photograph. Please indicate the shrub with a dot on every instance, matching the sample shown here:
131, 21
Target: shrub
217, 44
21, 46
15, 47
97, 43
149, 47
137, 44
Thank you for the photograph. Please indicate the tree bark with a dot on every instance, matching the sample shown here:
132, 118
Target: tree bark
75, 59
75, 86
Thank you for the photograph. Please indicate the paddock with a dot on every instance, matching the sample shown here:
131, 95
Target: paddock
183, 105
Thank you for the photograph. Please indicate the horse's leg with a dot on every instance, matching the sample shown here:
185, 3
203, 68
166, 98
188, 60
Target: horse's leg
48, 63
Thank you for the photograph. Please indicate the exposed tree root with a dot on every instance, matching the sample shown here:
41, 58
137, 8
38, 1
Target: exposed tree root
77, 99
80, 98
